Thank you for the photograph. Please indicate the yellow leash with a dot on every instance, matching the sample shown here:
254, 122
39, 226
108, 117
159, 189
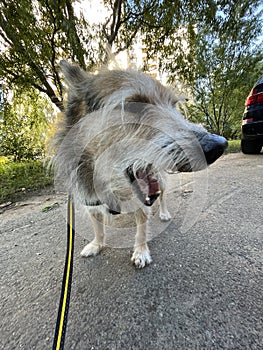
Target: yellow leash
61, 325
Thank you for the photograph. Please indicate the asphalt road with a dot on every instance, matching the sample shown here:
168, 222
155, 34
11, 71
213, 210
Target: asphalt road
202, 291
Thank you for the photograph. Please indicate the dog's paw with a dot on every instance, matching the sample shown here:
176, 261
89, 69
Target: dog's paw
91, 249
165, 216
141, 256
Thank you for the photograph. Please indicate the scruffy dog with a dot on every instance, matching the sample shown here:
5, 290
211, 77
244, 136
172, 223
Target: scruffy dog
120, 134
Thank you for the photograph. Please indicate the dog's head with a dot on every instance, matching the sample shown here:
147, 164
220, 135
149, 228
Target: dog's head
126, 121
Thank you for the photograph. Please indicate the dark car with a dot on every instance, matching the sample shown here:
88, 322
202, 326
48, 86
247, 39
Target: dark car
252, 123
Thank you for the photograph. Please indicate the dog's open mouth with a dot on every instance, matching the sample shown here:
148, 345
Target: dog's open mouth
145, 184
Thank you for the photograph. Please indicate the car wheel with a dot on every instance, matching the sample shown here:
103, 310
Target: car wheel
250, 146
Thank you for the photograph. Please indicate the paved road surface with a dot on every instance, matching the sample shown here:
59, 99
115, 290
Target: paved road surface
203, 290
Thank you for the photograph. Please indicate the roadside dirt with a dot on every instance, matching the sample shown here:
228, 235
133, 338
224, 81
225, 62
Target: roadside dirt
42, 200
203, 289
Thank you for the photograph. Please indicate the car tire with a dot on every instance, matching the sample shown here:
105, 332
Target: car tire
250, 146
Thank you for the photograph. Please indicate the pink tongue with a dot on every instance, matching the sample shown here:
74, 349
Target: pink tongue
153, 187
148, 185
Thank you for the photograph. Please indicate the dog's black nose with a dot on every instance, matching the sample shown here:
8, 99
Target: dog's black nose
213, 146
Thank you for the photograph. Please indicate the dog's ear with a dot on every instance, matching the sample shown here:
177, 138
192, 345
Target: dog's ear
73, 74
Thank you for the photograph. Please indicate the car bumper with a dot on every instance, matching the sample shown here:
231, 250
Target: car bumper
252, 131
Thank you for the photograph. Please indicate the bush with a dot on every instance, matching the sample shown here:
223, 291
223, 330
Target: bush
20, 177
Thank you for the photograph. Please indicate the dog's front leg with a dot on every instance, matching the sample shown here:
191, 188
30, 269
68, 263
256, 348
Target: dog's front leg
141, 255
164, 213
95, 246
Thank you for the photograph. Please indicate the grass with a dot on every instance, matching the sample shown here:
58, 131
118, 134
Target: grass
17, 178
233, 146
23, 177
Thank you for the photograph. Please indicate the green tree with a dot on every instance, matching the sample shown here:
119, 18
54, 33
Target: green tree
208, 45
218, 58
35, 35
228, 64
23, 126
